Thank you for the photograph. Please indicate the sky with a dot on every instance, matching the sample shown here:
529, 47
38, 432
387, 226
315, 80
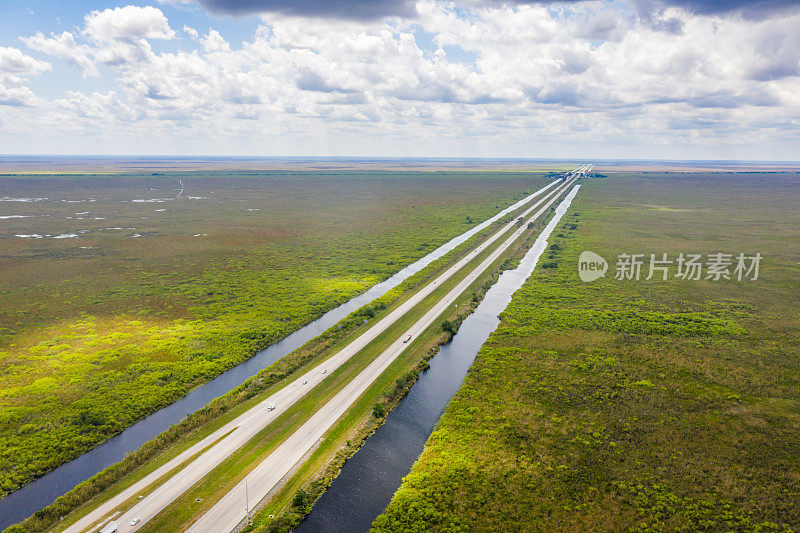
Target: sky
660, 79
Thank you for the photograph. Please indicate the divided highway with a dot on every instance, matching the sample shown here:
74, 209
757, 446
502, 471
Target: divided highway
231, 510
211, 451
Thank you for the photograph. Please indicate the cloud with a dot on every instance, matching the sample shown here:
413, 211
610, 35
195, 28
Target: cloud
64, 47
776, 70
13, 61
603, 26
377, 9
127, 23
124, 54
341, 9
507, 74
15, 68
560, 94
104, 107
308, 80
17, 96
653, 11
750, 8
776, 50
729, 100
213, 42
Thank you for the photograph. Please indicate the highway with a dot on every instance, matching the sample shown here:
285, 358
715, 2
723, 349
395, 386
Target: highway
231, 510
234, 434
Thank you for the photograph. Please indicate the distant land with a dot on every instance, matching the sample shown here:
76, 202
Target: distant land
24, 164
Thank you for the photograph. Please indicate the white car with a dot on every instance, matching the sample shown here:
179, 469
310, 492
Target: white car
271, 407
134, 521
305, 381
324, 370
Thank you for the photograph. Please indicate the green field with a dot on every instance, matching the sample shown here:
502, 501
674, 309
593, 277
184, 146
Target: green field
630, 405
156, 293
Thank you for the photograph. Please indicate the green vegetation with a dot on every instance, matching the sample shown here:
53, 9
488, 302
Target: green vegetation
378, 411
99, 330
448, 327
623, 405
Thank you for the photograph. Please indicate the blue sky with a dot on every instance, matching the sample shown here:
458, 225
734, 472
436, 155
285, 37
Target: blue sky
678, 79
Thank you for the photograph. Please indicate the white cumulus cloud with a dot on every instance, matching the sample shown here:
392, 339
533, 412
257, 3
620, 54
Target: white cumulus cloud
15, 69
213, 42
129, 22
13, 61
64, 47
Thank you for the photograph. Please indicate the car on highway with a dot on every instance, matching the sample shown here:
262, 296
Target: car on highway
271, 407
134, 521
407, 339
324, 370
305, 381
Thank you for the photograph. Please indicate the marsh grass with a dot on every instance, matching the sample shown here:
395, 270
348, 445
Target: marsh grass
98, 331
638, 406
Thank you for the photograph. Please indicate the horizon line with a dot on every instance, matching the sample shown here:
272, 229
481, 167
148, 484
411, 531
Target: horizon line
392, 158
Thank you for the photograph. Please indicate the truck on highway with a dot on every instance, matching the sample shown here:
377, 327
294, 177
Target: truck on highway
111, 527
